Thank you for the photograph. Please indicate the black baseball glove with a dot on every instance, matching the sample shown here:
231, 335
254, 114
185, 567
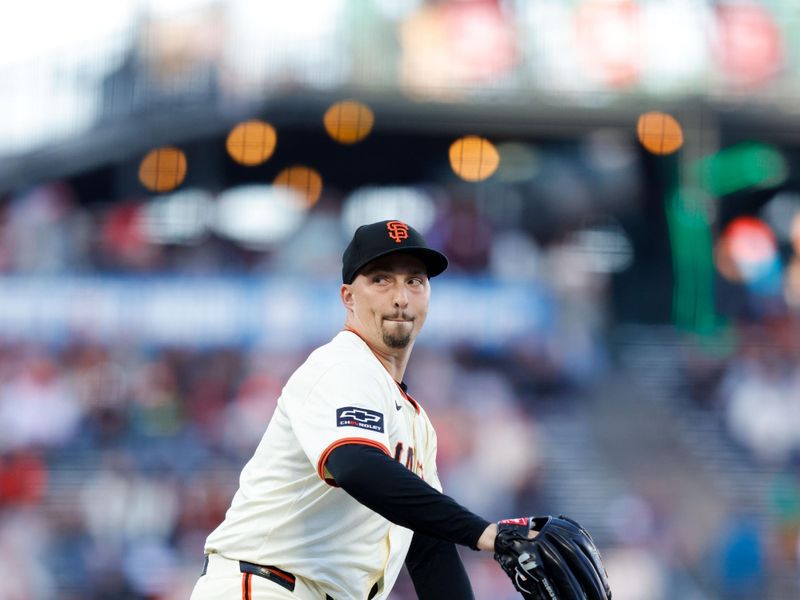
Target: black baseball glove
560, 563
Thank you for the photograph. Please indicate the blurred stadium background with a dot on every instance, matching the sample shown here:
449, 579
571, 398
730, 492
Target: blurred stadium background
616, 183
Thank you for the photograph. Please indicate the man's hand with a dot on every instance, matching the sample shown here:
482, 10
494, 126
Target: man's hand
486, 541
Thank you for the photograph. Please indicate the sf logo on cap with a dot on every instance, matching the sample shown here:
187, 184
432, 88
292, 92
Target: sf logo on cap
398, 230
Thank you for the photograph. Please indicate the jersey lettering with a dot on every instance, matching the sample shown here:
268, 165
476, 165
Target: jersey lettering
410, 464
410, 459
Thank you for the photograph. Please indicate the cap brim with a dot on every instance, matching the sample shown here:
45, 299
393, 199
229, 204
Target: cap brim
435, 262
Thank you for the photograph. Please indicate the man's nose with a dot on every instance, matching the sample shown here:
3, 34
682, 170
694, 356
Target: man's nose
400, 296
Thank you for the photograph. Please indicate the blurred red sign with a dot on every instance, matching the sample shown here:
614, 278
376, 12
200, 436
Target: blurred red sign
610, 40
749, 46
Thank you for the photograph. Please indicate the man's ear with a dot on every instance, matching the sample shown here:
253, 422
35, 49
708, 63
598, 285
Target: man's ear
346, 294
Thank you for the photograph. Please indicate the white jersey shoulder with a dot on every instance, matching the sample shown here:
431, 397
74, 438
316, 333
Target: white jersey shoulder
288, 511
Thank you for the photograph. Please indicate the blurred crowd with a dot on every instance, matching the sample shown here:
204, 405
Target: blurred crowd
46, 230
750, 377
747, 378
117, 458
115, 463
758, 391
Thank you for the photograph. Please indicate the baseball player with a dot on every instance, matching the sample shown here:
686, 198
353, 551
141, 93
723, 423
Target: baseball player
342, 489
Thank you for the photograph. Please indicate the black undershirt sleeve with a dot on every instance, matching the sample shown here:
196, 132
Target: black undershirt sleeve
388, 488
436, 570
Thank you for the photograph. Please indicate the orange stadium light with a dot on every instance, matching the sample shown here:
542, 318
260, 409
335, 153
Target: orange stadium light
251, 142
348, 121
659, 132
163, 169
474, 158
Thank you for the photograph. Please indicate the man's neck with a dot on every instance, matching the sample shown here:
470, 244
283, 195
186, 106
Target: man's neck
394, 360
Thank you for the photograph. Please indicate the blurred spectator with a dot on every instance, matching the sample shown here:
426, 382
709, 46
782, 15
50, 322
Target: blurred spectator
23, 478
38, 389
784, 502
252, 407
635, 574
635, 561
124, 241
24, 535
44, 231
741, 557
120, 505
466, 238
502, 453
757, 392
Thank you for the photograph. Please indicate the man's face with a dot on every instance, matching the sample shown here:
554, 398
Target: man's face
389, 300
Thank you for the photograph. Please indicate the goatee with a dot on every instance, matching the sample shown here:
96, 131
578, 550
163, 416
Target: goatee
396, 341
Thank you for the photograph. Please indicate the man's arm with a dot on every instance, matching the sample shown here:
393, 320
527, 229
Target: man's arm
436, 569
388, 488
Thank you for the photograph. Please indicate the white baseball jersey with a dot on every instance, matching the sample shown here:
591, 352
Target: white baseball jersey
289, 513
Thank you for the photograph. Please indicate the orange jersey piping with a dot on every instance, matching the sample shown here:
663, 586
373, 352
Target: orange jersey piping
343, 442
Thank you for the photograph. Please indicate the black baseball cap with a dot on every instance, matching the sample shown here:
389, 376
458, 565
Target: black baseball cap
387, 237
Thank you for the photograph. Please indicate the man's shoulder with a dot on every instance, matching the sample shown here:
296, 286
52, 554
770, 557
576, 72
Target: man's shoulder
345, 347
346, 353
